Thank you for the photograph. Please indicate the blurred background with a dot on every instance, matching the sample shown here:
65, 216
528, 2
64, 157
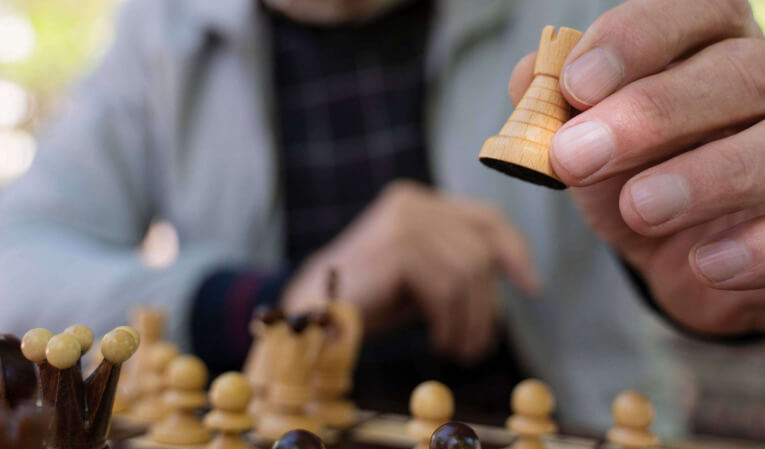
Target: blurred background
46, 45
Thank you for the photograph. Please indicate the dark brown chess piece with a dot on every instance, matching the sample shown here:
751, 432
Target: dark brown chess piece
298, 439
82, 408
454, 435
23, 425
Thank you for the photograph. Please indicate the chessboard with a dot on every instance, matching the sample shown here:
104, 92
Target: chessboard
388, 431
139, 392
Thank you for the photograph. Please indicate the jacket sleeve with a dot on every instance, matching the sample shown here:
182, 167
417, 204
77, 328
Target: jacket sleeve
70, 227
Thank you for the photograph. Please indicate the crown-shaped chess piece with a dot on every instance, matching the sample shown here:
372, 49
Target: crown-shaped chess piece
82, 408
185, 379
633, 416
289, 388
23, 425
333, 377
431, 405
268, 328
532, 403
229, 395
522, 147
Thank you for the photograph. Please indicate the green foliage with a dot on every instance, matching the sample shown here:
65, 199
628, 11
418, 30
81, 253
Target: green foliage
70, 34
759, 11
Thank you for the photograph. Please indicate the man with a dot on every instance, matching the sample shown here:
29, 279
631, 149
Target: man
197, 103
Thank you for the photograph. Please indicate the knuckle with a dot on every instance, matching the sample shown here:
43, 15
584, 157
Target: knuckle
738, 13
738, 170
650, 103
746, 58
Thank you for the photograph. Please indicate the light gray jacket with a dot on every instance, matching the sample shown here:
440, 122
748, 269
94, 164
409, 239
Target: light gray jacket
167, 128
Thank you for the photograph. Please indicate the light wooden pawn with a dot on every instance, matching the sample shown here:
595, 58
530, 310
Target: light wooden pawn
633, 416
150, 406
532, 403
431, 405
522, 147
185, 378
229, 395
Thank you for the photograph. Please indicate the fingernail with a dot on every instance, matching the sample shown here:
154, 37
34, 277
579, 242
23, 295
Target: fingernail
658, 198
584, 148
593, 76
722, 260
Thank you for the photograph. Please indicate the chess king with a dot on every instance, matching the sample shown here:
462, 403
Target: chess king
82, 408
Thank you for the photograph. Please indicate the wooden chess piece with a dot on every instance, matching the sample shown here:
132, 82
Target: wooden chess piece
229, 395
431, 405
333, 378
633, 416
149, 407
454, 435
23, 425
149, 323
298, 439
522, 147
268, 327
532, 403
81, 407
185, 378
289, 388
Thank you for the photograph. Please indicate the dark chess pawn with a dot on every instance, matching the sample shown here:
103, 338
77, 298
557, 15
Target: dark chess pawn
454, 435
298, 439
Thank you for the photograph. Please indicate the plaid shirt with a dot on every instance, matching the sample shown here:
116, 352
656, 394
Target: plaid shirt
350, 120
350, 106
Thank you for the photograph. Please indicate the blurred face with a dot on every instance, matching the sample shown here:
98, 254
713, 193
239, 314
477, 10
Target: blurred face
330, 11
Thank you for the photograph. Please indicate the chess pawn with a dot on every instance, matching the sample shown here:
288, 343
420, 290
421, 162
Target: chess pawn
289, 389
633, 416
333, 377
522, 147
149, 323
454, 435
150, 407
185, 379
268, 327
229, 395
532, 403
431, 405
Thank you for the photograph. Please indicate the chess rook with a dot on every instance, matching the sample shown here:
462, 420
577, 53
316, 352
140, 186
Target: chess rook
522, 147
81, 407
532, 403
431, 405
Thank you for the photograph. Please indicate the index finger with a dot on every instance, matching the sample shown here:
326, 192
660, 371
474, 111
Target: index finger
642, 37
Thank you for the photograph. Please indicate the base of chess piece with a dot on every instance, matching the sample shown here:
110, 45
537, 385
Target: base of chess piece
512, 156
335, 413
180, 429
274, 424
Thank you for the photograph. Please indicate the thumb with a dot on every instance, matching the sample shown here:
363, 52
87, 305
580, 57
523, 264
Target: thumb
523, 75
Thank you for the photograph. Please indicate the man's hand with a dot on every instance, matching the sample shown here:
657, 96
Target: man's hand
668, 157
445, 254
